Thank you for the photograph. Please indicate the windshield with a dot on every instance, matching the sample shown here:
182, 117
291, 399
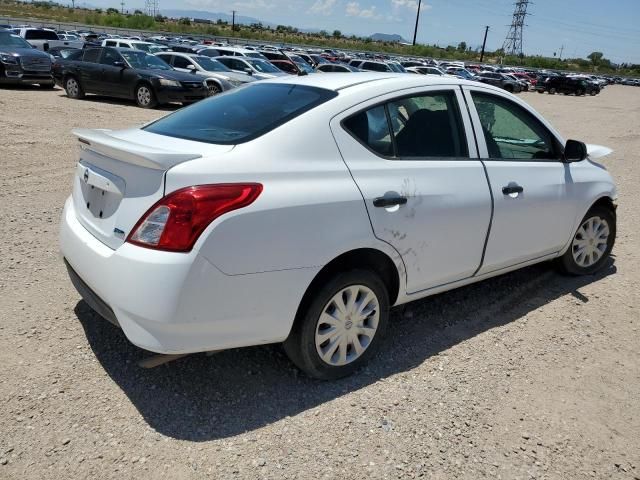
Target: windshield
242, 114
263, 66
304, 66
143, 60
40, 35
210, 65
11, 40
255, 55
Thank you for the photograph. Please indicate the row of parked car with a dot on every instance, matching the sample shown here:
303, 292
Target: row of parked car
158, 70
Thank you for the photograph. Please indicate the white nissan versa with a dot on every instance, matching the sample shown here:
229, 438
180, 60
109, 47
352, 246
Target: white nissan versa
299, 210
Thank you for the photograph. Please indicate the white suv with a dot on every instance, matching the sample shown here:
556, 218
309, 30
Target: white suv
299, 210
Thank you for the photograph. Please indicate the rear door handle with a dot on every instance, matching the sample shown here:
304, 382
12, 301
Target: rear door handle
512, 188
389, 201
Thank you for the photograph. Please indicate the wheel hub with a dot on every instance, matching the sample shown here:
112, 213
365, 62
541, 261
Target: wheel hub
590, 241
347, 325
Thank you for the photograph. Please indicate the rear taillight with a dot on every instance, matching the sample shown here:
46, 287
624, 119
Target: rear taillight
177, 220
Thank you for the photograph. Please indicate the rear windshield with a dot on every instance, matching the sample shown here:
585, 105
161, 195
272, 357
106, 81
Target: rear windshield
40, 35
241, 114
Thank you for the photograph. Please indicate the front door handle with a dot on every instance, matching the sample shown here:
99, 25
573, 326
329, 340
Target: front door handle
512, 188
389, 201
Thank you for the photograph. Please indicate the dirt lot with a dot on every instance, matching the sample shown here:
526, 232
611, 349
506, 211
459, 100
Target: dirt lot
530, 375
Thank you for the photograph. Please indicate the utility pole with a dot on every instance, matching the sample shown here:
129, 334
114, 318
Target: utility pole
513, 43
415, 32
484, 42
561, 50
233, 21
122, 7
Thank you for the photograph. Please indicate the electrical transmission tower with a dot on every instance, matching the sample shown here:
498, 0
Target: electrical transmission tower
513, 43
151, 8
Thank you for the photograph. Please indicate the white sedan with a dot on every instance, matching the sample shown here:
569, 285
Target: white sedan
299, 210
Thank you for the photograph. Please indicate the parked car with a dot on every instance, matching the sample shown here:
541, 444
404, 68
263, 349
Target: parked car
134, 44
239, 52
21, 64
336, 68
426, 70
375, 66
221, 248
219, 78
567, 85
259, 69
127, 73
500, 80
43, 38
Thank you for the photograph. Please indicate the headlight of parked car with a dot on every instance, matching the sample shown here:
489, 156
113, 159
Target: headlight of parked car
6, 58
165, 82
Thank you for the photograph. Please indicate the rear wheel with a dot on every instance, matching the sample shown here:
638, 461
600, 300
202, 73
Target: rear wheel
145, 97
73, 88
591, 244
579, 92
341, 327
552, 91
593, 93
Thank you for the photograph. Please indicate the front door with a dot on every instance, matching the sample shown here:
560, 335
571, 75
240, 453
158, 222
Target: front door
426, 195
112, 78
532, 188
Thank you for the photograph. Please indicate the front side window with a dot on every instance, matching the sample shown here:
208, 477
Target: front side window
40, 35
91, 55
144, 61
110, 56
181, 62
421, 126
513, 133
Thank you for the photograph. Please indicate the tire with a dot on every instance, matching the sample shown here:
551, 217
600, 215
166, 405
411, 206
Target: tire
593, 93
73, 88
145, 97
540, 91
579, 93
306, 343
552, 91
213, 88
509, 88
596, 235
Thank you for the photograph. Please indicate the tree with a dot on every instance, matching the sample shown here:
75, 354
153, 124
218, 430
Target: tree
462, 47
337, 34
137, 12
595, 58
112, 11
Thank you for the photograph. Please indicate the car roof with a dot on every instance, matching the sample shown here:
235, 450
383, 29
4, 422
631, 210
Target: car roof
341, 81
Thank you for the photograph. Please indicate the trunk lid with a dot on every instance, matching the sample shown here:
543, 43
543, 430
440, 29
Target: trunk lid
120, 175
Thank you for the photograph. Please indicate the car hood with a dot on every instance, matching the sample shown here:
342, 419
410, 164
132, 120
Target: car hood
24, 52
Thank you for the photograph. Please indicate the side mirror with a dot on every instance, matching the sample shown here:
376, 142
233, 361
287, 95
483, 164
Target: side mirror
574, 151
248, 71
192, 68
119, 63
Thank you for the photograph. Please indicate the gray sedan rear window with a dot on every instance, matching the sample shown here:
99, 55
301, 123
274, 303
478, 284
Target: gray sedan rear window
241, 114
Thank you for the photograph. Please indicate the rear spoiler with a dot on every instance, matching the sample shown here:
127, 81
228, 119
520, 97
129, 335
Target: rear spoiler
598, 151
102, 142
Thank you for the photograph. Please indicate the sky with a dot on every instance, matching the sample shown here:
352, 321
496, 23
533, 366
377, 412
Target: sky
580, 26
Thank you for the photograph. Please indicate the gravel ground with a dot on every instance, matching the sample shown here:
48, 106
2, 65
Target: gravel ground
530, 375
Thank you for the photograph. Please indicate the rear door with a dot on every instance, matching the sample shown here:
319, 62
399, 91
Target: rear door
413, 156
533, 190
90, 70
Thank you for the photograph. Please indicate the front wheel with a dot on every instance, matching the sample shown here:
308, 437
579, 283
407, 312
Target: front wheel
341, 327
213, 89
145, 97
591, 244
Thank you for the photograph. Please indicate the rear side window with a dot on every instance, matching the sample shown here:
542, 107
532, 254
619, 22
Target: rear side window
241, 114
413, 127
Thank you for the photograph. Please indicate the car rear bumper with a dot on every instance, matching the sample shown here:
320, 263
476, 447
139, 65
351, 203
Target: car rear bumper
179, 302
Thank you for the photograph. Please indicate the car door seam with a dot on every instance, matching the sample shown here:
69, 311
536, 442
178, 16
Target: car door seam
486, 174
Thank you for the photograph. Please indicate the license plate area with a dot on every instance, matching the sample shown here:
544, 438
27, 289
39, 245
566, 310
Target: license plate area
101, 192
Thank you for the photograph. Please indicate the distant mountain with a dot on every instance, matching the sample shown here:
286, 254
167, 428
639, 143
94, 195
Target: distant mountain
213, 16
386, 37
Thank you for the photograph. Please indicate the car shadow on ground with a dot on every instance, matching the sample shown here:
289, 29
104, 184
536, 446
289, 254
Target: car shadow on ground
124, 102
201, 397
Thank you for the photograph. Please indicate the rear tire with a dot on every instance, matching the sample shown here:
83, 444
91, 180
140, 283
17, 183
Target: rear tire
73, 88
591, 244
145, 97
552, 91
341, 326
